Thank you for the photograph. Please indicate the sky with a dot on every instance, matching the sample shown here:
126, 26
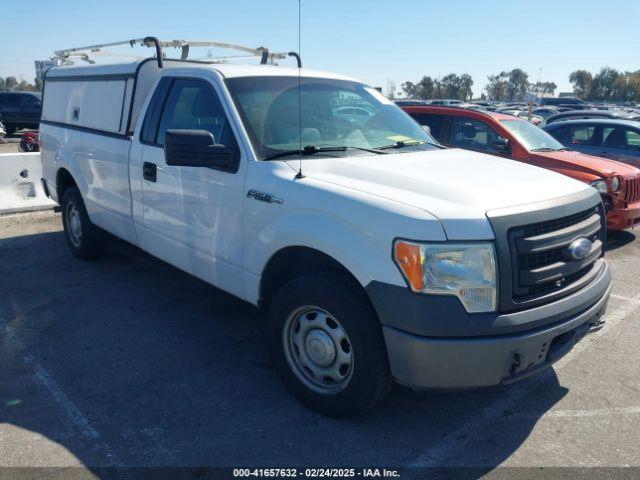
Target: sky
376, 41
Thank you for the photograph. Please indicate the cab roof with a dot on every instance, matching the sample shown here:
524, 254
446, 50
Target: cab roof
596, 121
227, 70
453, 110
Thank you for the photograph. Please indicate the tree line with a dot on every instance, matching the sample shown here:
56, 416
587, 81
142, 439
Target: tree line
11, 84
513, 85
450, 86
608, 85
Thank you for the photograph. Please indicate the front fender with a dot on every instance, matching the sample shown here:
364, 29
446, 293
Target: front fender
364, 250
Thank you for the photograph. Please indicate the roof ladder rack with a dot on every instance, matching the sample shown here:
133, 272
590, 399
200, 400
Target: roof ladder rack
184, 45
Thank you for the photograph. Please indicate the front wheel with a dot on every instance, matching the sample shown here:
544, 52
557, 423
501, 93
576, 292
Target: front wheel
85, 239
327, 345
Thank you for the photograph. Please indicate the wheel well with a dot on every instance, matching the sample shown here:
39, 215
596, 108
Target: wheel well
291, 262
64, 180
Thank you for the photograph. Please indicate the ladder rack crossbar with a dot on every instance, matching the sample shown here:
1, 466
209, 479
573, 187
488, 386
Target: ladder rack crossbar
185, 45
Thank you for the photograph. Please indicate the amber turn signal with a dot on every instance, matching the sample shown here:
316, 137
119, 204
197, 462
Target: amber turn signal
407, 257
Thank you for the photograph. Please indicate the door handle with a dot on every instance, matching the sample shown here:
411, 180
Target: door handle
149, 171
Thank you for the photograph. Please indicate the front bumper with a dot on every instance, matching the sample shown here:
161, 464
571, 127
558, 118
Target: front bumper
468, 362
621, 218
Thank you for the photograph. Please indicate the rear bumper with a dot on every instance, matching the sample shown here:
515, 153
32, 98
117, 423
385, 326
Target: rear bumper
621, 218
469, 362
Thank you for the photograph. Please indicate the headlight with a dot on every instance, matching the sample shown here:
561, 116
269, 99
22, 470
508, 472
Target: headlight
600, 185
615, 184
466, 270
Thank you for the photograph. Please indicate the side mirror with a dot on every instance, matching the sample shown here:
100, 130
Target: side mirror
469, 131
501, 144
197, 148
426, 128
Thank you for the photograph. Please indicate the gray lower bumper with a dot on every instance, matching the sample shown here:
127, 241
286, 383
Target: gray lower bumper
450, 363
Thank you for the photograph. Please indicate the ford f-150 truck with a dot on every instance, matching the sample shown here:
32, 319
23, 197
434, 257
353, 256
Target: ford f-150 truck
378, 254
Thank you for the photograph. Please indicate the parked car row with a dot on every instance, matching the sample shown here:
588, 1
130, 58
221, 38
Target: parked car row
545, 110
513, 137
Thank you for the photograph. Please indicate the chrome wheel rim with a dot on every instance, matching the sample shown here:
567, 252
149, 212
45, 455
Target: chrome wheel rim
74, 224
318, 350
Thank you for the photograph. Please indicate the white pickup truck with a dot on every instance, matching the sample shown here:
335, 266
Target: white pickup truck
378, 254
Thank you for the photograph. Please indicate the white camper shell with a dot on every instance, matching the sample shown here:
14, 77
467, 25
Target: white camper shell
109, 97
101, 97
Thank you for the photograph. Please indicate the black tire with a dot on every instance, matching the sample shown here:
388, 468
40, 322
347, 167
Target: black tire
335, 293
91, 241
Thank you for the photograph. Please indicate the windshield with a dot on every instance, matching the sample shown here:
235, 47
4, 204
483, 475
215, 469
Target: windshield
334, 113
532, 138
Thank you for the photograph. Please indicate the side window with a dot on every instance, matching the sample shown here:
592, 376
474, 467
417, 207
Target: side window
574, 135
580, 135
473, 134
193, 105
435, 123
559, 133
152, 118
620, 138
9, 102
633, 140
29, 101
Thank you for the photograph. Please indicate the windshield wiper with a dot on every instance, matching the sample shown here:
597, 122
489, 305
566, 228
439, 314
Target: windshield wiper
313, 149
411, 143
548, 149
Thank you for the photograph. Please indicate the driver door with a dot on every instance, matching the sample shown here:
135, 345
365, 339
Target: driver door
191, 216
472, 134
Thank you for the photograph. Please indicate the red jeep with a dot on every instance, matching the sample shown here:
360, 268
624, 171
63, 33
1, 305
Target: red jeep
515, 138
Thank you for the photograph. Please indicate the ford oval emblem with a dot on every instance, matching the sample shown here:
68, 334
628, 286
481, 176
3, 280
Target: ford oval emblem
580, 248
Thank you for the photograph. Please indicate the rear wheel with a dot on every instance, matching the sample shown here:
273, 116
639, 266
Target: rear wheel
85, 240
327, 345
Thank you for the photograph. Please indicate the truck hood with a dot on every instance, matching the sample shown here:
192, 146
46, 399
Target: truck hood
456, 186
576, 161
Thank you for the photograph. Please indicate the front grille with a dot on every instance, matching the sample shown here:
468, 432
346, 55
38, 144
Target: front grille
535, 260
632, 190
555, 224
540, 251
548, 287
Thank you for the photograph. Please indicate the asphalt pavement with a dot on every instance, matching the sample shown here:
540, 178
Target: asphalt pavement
111, 367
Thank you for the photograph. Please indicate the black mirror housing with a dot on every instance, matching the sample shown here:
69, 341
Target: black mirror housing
501, 144
198, 148
469, 131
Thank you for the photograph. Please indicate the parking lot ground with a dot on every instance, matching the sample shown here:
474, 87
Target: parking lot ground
126, 362
9, 147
